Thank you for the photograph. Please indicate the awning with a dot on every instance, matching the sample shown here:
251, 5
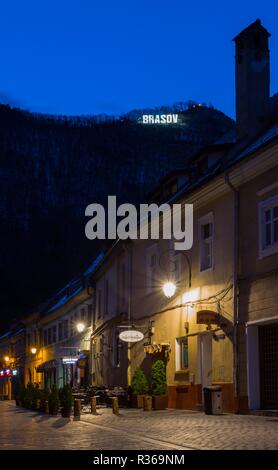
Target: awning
47, 365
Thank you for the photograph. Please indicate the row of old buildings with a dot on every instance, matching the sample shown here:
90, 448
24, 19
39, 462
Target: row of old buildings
218, 322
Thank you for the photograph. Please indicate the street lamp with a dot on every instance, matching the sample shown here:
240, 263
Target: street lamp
169, 289
7, 359
80, 327
33, 350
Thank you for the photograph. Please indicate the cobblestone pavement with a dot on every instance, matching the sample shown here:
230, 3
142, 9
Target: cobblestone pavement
23, 429
135, 429
193, 429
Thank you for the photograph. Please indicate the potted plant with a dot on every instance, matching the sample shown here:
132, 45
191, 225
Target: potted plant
35, 396
159, 385
53, 401
21, 395
44, 396
29, 396
66, 400
140, 388
16, 392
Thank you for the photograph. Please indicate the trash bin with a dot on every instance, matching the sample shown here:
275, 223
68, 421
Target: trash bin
213, 400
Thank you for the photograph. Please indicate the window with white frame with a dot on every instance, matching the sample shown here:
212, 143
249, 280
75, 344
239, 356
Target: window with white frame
99, 303
89, 314
106, 306
123, 285
206, 242
151, 265
115, 348
174, 263
181, 353
268, 226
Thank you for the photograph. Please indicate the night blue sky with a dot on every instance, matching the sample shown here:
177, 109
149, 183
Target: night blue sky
88, 56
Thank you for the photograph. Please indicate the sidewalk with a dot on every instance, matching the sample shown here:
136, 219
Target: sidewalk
193, 430
136, 430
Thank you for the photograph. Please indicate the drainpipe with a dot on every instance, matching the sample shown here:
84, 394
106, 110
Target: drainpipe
92, 294
235, 282
129, 374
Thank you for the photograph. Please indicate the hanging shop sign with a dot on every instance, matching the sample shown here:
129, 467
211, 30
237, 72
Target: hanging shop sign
70, 360
131, 336
207, 317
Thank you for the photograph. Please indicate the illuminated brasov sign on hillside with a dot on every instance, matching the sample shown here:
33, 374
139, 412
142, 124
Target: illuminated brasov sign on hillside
160, 118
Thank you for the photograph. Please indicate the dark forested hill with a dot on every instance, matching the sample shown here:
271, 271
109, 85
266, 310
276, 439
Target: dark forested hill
52, 168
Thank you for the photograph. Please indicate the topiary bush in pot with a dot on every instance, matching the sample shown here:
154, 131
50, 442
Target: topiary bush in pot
53, 401
159, 385
66, 400
44, 396
28, 396
16, 387
35, 396
140, 388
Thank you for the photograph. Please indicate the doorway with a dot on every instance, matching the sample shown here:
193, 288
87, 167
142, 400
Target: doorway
268, 353
205, 359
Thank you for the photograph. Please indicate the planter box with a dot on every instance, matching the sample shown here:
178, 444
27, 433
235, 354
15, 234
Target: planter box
160, 402
138, 401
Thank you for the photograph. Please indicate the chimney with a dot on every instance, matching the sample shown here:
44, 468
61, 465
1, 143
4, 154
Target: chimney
252, 79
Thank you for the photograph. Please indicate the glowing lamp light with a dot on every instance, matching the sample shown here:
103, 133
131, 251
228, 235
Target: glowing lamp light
7, 359
80, 327
33, 350
169, 289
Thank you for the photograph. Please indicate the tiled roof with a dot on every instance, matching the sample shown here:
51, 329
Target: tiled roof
74, 287
264, 139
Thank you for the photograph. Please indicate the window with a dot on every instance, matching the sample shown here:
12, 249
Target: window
89, 314
71, 326
39, 337
151, 265
181, 353
49, 336
66, 329
206, 242
116, 349
153, 261
82, 316
173, 264
54, 335
268, 226
101, 351
106, 297
60, 331
99, 303
123, 285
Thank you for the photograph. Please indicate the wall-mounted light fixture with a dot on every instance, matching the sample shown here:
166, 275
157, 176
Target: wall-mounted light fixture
169, 289
80, 327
